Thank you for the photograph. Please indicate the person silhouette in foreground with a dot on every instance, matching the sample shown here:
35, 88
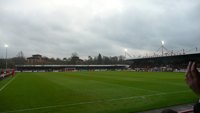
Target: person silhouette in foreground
192, 78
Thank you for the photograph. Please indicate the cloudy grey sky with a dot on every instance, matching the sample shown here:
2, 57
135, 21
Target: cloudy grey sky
57, 28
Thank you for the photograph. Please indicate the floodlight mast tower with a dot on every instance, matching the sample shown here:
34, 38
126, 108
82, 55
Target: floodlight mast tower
162, 48
125, 51
127, 54
6, 46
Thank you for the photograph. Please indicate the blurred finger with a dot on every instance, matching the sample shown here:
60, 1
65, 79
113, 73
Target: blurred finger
188, 78
194, 70
189, 67
188, 71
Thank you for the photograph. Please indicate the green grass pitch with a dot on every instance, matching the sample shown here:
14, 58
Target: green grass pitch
92, 92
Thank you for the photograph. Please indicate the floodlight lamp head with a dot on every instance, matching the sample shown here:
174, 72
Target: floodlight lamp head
125, 50
163, 42
5, 45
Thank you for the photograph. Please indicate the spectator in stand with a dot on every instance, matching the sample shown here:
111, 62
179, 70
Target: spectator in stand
192, 78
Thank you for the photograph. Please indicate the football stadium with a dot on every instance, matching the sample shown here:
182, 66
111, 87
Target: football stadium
99, 56
147, 84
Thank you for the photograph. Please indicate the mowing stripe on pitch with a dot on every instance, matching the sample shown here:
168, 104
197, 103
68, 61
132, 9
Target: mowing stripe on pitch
153, 91
4, 86
92, 102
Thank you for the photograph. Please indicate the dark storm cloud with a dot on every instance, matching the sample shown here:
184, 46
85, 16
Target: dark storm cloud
142, 28
58, 28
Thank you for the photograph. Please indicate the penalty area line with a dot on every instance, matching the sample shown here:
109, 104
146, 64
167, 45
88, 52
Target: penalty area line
92, 102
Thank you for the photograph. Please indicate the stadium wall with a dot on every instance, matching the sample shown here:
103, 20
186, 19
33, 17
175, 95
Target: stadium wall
52, 68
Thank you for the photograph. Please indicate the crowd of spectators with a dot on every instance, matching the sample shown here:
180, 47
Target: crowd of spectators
6, 73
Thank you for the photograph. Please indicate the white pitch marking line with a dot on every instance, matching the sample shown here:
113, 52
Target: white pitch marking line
91, 102
7, 83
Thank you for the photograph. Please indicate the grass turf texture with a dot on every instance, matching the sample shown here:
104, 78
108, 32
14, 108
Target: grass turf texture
92, 92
